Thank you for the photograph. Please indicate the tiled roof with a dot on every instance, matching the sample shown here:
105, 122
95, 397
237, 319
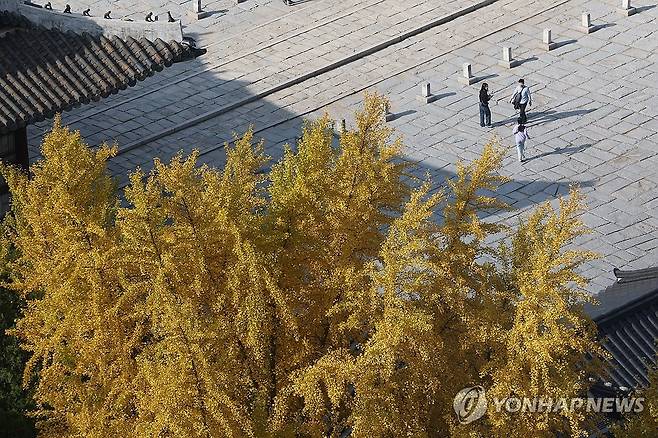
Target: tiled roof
627, 319
43, 72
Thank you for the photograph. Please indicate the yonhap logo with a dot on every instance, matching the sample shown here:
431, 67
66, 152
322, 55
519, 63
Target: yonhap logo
470, 404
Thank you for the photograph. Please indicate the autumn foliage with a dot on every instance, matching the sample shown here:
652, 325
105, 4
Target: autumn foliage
328, 294
645, 423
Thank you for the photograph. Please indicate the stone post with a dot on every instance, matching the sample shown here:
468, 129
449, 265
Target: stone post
426, 95
425, 90
388, 115
626, 8
467, 77
586, 23
508, 61
197, 12
547, 41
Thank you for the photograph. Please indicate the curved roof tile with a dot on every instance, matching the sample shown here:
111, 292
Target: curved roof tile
43, 71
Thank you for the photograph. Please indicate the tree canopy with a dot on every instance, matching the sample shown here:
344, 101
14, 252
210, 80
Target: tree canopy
326, 294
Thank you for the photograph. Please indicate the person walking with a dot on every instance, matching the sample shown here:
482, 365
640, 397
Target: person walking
521, 98
520, 136
485, 112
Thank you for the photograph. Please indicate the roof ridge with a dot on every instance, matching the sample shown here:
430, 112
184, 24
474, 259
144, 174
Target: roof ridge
635, 275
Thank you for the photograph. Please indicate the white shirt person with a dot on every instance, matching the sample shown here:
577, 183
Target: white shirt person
521, 98
521, 134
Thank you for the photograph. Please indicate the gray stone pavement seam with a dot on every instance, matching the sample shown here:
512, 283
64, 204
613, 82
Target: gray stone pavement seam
223, 62
341, 96
324, 69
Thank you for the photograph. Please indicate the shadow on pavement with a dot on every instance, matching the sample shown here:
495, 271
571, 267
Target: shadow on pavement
537, 118
559, 151
559, 44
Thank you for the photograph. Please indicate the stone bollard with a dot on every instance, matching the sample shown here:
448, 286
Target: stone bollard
547, 41
508, 61
197, 12
467, 77
586, 23
388, 115
425, 90
626, 8
426, 95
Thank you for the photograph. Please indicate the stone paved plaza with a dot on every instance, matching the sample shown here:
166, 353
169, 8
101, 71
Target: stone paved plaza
594, 119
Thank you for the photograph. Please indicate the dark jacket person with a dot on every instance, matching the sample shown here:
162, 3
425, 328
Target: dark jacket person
485, 112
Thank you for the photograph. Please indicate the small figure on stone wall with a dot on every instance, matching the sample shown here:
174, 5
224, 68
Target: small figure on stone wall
149, 17
67, 9
170, 19
48, 6
107, 15
86, 12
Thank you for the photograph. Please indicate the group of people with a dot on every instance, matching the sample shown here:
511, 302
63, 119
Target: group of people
521, 99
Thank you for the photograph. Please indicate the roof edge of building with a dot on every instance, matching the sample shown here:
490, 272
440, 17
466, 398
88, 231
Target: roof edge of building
632, 289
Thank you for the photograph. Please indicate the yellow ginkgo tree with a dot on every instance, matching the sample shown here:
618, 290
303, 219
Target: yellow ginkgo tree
328, 294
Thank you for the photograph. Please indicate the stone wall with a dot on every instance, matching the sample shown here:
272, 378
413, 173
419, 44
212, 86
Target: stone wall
95, 25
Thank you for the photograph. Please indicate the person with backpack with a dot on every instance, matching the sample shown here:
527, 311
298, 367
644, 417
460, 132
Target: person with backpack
521, 98
520, 136
485, 112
